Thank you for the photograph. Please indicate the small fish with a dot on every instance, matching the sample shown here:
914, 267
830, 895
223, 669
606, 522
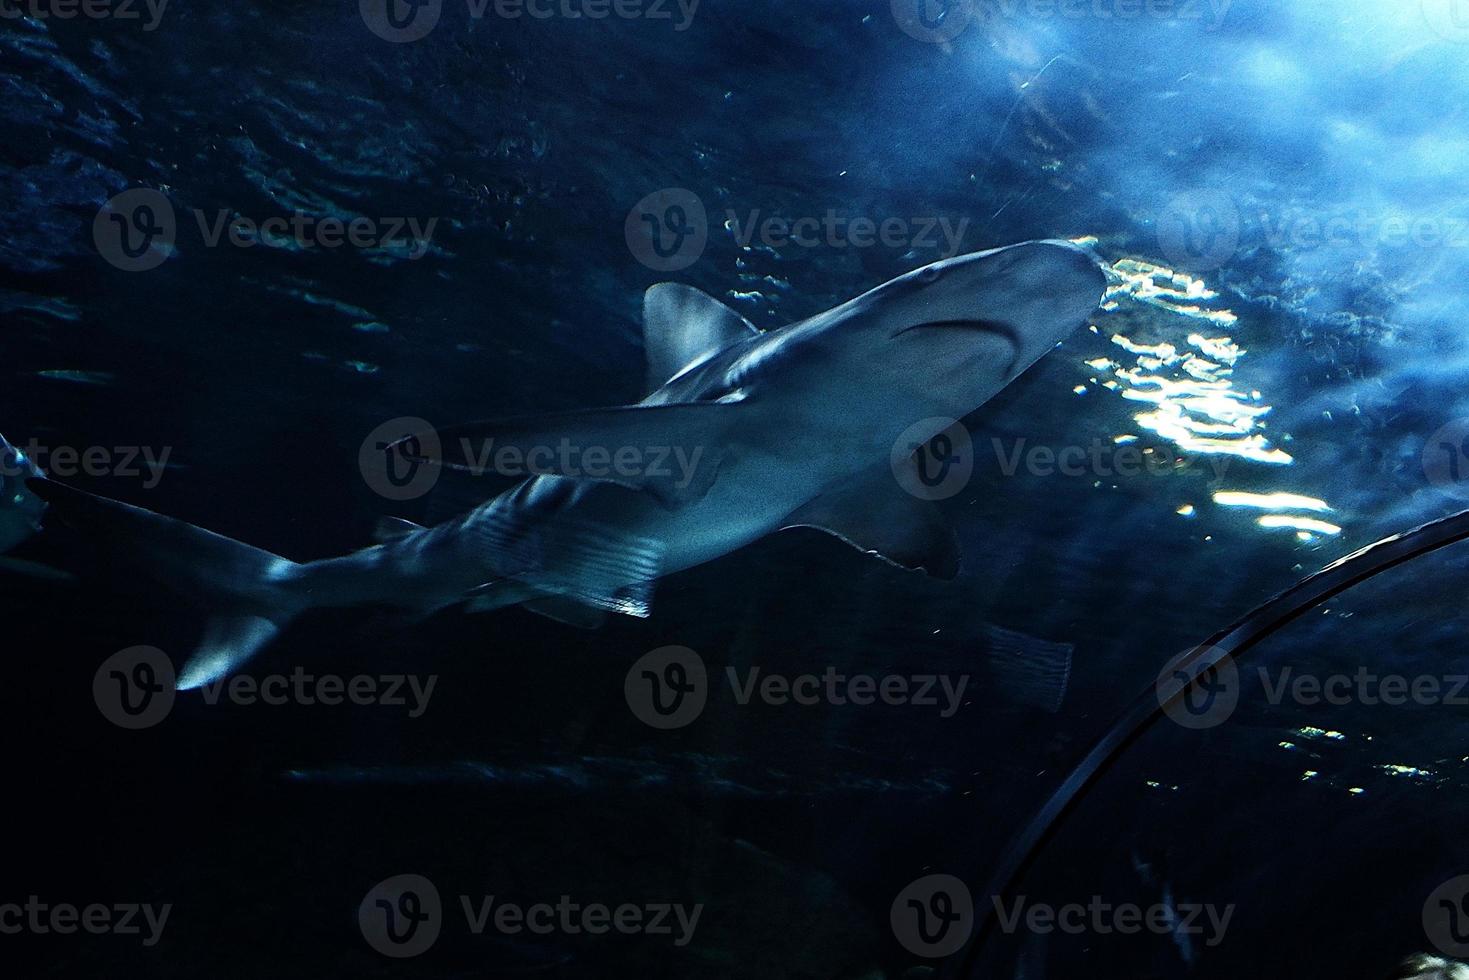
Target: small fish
79, 377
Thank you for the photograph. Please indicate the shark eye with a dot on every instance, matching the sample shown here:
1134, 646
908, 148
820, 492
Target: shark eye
929, 275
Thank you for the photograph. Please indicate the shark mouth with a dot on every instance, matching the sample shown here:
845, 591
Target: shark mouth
996, 328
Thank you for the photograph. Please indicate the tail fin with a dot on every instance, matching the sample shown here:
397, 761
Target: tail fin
245, 592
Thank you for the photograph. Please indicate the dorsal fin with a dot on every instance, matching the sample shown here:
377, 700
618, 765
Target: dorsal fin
393, 528
682, 325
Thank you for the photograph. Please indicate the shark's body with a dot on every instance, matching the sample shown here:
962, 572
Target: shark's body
791, 427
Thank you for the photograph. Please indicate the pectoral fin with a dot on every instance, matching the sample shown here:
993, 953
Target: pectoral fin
671, 451
878, 517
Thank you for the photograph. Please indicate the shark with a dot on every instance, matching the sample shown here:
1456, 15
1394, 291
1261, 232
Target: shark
798, 426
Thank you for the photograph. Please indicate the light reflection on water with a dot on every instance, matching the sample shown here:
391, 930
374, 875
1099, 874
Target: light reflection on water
1186, 377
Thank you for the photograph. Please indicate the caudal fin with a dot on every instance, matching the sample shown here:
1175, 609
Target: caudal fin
244, 592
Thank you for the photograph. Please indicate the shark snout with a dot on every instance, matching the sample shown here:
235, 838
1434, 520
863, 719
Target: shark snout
985, 318
1034, 294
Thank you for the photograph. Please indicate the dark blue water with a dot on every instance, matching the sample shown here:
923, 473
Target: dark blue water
1276, 188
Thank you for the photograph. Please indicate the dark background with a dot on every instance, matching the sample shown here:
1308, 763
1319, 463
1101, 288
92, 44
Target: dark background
528, 777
